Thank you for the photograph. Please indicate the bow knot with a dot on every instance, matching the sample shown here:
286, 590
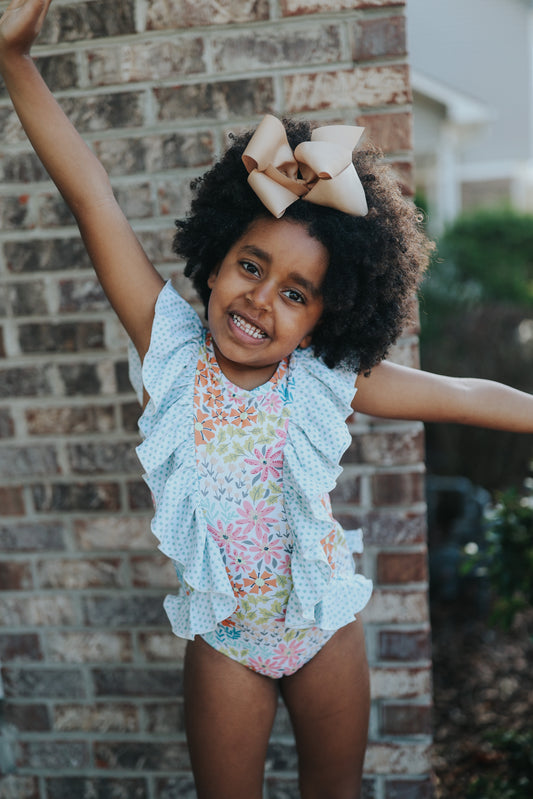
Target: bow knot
319, 171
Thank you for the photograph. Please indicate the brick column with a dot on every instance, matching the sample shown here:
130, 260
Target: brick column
91, 672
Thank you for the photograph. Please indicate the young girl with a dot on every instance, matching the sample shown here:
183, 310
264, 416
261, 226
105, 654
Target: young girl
307, 265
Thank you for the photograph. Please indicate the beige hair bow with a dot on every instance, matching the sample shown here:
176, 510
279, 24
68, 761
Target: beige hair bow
328, 176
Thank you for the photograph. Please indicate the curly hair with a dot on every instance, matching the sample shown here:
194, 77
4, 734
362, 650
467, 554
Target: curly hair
375, 262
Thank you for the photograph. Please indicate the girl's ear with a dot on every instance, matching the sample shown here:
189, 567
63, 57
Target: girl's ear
213, 276
306, 341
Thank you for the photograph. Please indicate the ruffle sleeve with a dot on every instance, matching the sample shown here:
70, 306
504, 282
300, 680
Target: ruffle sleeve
168, 457
317, 437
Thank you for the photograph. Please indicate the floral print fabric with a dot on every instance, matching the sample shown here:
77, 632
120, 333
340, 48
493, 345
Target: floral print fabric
285, 440
239, 438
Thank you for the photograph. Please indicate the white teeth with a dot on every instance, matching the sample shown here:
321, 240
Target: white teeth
251, 330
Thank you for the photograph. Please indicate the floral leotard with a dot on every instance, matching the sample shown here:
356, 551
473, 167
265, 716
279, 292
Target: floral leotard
240, 483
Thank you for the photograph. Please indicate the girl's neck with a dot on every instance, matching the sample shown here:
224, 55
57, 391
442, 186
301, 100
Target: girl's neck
243, 375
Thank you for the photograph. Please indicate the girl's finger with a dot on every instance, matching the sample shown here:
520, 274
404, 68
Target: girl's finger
43, 13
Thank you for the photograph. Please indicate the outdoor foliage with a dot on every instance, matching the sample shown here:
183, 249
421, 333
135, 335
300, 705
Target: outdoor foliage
507, 557
515, 749
485, 256
476, 314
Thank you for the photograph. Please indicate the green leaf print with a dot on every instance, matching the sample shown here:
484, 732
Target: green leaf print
274, 489
257, 492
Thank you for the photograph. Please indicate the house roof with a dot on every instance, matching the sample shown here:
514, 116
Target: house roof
460, 108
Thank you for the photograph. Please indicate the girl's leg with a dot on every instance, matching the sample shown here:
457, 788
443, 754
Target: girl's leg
229, 713
328, 700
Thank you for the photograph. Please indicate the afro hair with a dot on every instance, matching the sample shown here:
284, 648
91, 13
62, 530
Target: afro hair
375, 262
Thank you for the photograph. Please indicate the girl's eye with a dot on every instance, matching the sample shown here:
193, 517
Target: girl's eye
249, 267
294, 295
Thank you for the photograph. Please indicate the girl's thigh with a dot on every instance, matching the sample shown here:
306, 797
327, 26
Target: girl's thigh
229, 713
328, 700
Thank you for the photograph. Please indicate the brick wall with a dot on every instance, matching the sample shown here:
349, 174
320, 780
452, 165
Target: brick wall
91, 673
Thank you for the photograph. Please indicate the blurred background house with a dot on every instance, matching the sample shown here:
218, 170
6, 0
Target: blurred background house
472, 78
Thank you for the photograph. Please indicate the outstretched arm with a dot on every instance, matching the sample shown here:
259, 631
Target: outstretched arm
127, 276
397, 392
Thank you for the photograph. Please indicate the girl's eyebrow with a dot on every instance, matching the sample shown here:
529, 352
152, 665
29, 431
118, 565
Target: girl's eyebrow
302, 281
305, 284
252, 249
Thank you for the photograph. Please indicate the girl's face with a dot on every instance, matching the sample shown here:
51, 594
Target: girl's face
265, 299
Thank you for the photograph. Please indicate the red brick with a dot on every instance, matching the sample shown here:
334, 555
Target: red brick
114, 532
405, 719
150, 571
145, 756
53, 755
7, 427
387, 448
27, 718
402, 488
396, 567
387, 527
289, 46
167, 14
403, 645
348, 489
66, 786
86, 419
390, 132
368, 86
97, 717
11, 501
409, 789
77, 573
397, 607
156, 60
76, 497
297, 7
404, 175
243, 97
20, 647
378, 37
15, 576
14, 786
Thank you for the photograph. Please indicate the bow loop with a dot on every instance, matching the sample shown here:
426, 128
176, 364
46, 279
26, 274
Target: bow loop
327, 175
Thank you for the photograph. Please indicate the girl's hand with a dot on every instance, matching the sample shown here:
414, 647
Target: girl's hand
20, 25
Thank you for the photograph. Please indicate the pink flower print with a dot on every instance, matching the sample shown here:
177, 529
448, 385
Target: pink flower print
281, 435
255, 518
265, 464
261, 665
266, 550
272, 403
229, 538
241, 560
288, 656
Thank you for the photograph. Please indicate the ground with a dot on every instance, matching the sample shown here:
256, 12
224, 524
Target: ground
483, 682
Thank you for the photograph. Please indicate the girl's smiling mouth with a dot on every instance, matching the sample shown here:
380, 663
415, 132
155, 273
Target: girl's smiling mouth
247, 327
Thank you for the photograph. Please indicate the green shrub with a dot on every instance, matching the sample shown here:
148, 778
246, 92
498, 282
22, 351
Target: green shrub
476, 312
507, 556
515, 751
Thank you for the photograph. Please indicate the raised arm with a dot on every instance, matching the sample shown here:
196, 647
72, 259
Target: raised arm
128, 278
397, 392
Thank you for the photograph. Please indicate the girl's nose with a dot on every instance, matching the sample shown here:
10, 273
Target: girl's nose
261, 297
